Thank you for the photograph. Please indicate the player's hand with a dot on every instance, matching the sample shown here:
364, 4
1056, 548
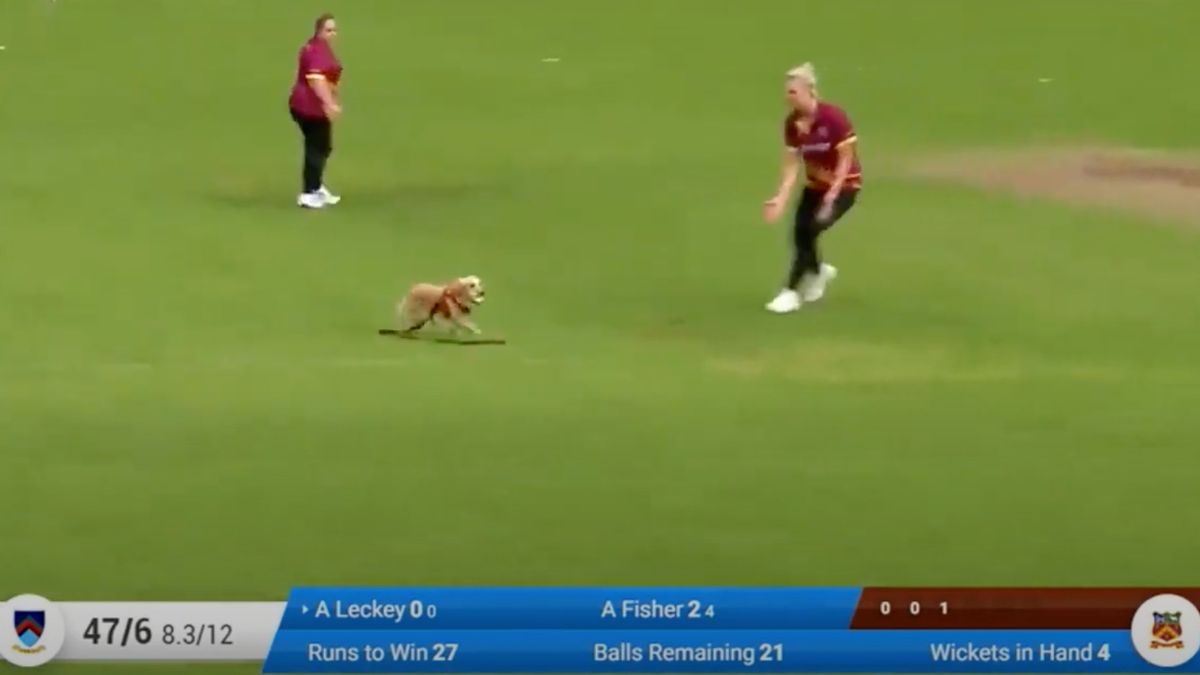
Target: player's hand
773, 208
333, 111
825, 213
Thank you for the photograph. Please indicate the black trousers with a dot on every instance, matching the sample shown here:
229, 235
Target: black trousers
806, 258
318, 146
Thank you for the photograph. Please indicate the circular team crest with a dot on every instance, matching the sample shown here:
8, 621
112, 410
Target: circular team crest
1166, 630
31, 631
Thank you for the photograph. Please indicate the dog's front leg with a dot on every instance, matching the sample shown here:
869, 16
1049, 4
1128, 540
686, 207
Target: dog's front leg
461, 322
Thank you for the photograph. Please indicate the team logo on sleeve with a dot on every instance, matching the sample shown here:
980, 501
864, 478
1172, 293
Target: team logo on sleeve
1166, 630
31, 630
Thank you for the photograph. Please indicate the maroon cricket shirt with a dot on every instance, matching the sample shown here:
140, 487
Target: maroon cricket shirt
830, 130
316, 58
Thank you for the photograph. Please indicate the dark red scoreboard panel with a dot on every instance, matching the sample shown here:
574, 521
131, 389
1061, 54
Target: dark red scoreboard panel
1004, 608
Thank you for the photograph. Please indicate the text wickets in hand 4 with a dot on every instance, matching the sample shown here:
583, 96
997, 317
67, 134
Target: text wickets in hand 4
1165, 628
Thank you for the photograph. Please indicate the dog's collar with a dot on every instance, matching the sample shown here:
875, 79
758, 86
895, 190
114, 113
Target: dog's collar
448, 296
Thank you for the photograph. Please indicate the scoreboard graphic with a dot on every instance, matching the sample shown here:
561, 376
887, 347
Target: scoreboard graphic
630, 630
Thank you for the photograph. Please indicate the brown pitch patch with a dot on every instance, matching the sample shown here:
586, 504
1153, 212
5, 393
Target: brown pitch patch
1161, 185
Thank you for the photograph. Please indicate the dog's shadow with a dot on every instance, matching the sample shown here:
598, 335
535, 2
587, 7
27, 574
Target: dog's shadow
441, 339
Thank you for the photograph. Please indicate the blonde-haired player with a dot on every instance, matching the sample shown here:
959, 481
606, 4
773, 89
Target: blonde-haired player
819, 135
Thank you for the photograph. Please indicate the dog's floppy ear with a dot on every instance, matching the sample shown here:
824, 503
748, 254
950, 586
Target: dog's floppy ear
459, 289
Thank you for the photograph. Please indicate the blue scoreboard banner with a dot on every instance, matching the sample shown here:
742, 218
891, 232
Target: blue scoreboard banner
629, 630
727, 630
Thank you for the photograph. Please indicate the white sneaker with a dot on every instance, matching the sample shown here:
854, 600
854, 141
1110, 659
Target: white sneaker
311, 200
328, 196
814, 287
787, 301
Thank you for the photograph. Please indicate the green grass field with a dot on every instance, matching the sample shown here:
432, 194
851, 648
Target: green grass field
194, 403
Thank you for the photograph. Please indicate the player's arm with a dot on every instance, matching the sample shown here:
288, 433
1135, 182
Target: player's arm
789, 172
323, 90
841, 172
